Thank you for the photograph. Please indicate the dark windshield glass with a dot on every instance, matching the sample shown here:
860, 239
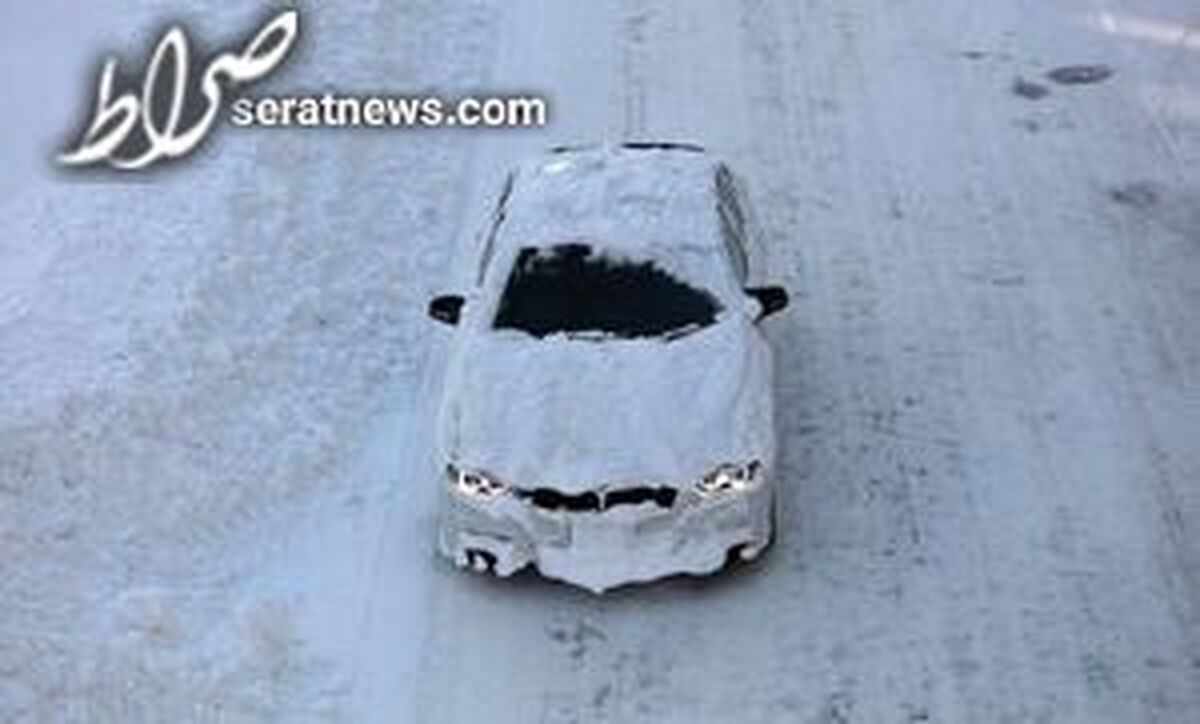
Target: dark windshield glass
570, 288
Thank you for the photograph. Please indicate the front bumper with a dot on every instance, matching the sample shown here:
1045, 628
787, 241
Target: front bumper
599, 550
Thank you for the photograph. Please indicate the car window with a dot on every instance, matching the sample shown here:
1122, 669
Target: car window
573, 289
498, 216
733, 222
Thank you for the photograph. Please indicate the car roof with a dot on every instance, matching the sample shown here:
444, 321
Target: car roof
628, 198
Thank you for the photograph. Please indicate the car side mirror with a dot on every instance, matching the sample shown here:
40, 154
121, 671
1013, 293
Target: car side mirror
771, 299
446, 308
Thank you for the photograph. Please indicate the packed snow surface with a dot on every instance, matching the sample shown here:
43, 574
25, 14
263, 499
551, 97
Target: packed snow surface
218, 386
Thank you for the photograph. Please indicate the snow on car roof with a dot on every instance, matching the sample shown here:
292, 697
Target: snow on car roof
634, 203
631, 198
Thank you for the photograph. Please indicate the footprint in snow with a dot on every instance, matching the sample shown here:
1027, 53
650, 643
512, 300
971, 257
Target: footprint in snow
1029, 90
1080, 74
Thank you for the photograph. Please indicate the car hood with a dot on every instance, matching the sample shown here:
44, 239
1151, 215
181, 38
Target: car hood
574, 414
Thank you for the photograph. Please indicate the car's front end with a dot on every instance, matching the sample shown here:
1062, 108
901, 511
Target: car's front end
607, 414
604, 463
606, 535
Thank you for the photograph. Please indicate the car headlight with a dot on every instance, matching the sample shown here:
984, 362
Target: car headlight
474, 484
730, 478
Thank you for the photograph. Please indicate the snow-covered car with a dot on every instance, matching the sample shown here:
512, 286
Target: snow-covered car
607, 409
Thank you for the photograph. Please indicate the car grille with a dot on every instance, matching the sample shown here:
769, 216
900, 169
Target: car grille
597, 500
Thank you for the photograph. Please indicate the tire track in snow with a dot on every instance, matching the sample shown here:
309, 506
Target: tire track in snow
896, 440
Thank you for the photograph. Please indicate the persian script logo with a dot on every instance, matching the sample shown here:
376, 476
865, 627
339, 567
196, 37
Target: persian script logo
168, 120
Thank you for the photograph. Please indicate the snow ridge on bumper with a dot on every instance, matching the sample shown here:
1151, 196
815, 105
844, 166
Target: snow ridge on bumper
602, 550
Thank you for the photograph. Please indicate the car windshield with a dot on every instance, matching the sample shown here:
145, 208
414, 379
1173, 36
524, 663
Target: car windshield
571, 289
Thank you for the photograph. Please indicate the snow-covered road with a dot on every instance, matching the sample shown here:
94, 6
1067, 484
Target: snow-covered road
216, 388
